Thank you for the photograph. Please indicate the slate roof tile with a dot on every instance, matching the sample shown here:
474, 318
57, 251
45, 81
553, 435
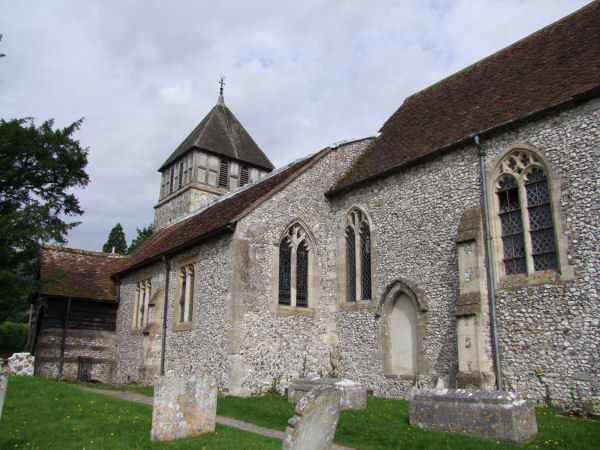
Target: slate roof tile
222, 133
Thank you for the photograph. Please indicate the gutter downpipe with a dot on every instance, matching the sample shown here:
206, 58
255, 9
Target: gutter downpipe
490, 265
165, 308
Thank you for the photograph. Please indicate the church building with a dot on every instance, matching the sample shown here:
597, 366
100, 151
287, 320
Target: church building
457, 248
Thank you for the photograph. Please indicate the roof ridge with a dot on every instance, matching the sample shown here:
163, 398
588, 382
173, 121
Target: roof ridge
81, 251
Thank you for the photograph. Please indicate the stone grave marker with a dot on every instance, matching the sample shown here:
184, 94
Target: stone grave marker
496, 415
353, 394
3, 382
313, 426
21, 364
183, 406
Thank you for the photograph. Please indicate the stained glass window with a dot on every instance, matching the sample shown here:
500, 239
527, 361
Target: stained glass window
302, 274
358, 270
524, 206
365, 262
294, 257
285, 272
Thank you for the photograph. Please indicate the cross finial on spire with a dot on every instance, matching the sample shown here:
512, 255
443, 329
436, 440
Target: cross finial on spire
222, 83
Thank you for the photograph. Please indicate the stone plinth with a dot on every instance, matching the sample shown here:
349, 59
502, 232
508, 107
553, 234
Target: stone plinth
313, 426
21, 364
184, 406
353, 395
492, 414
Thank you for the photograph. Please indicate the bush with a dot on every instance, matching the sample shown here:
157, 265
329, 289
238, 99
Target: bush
13, 337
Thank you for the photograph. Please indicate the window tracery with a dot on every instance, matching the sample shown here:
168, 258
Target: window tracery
294, 267
525, 214
358, 256
141, 303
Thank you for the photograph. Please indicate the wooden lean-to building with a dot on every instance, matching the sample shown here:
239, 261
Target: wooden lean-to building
72, 333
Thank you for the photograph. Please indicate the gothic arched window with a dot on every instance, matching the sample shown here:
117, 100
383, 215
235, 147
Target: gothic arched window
358, 256
141, 303
186, 293
294, 267
524, 209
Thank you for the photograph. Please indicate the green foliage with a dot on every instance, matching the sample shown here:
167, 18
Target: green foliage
40, 413
13, 337
38, 168
116, 240
142, 235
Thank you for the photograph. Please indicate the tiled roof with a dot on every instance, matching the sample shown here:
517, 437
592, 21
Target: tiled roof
544, 69
69, 272
220, 132
221, 215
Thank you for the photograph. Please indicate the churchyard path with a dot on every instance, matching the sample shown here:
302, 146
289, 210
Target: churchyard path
227, 421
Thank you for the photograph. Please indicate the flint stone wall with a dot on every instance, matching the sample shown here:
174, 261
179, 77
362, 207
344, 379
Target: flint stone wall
353, 395
492, 414
315, 420
184, 406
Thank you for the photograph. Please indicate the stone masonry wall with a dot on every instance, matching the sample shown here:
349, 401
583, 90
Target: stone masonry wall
415, 215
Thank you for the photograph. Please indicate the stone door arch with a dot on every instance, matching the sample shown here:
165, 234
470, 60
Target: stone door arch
403, 313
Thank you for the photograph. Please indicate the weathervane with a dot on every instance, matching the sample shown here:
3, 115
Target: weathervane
222, 83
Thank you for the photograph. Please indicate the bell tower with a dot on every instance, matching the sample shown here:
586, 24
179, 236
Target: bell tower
218, 156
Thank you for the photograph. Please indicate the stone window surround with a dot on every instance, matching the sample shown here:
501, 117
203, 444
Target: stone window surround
145, 280
342, 302
176, 324
384, 308
313, 275
565, 272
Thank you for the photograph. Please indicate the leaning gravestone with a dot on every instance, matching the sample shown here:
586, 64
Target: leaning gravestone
3, 382
493, 414
353, 394
313, 426
183, 406
21, 364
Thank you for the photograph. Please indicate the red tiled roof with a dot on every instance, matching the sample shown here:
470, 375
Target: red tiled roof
546, 68
69, 272
221, 216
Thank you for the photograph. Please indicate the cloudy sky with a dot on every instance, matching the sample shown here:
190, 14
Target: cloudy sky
300, 75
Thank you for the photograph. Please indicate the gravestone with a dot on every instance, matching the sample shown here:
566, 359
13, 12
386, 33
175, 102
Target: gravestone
353, 395
3, 382
313, 426
496, 415
21, 364
183, 406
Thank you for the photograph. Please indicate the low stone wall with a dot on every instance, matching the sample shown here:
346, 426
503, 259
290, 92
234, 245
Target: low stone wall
492, 414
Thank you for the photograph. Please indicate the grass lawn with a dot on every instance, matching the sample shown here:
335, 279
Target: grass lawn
40, 413
385, 425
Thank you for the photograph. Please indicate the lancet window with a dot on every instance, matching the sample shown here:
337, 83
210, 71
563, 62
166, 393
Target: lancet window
187, 277
524, 210
141, 303
294, 267
357, 256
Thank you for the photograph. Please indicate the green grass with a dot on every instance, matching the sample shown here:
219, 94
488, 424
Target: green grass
47, 414
40, 413
385, 425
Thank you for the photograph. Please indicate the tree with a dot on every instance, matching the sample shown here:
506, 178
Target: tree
38, 167
116, 241
142, 235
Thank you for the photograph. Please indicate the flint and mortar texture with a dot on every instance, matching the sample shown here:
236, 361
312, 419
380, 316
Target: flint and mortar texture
492, 414
184, 406
315, 420
548, 328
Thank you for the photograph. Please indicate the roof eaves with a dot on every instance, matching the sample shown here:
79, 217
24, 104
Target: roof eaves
576, 99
